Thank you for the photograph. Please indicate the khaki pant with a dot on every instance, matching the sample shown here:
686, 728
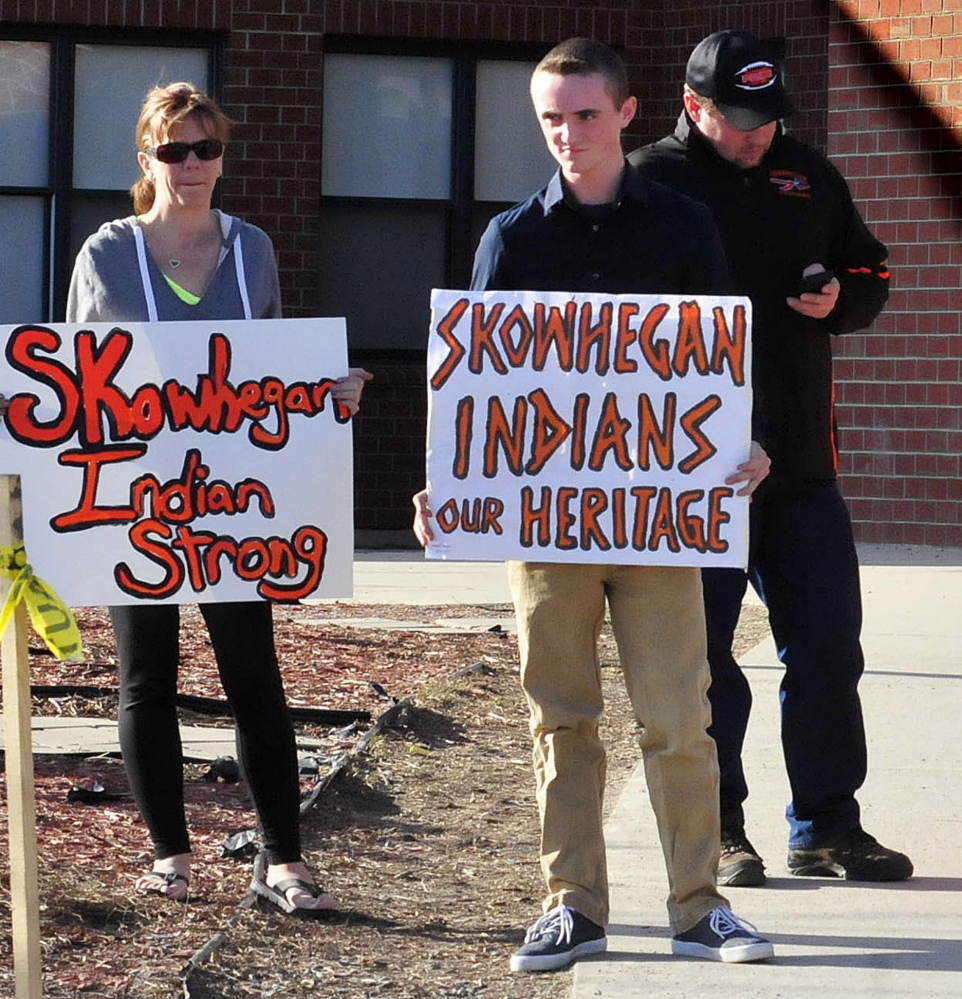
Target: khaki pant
658, 622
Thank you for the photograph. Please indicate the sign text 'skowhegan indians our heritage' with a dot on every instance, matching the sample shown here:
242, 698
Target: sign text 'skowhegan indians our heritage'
181, 461
588, 428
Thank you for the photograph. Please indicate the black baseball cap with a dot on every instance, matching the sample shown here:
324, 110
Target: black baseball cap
743, 78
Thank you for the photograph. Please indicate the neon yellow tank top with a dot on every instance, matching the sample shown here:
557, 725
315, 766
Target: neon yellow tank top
182, 293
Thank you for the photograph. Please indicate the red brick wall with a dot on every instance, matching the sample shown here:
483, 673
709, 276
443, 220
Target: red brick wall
890, 120
389, 467
895, 126
274, 84
274, 69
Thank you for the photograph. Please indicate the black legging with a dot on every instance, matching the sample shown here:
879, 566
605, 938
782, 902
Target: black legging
243, 641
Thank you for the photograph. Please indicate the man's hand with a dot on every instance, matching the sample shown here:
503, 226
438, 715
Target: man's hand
348, 390
751, 472
422, 518
817, 304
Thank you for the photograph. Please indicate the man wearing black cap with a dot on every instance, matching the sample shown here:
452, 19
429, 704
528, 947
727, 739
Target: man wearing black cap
798, 247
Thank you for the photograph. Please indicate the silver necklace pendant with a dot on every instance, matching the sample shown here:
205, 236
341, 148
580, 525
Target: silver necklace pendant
174, 263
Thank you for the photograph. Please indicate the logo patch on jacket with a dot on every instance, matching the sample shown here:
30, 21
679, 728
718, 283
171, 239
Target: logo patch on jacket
755, 76
793, 184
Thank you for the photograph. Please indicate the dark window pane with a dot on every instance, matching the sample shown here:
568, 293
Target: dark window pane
21, 260
378, 266
91, 210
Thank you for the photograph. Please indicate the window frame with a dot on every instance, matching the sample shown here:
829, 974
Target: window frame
59, 192
460, 208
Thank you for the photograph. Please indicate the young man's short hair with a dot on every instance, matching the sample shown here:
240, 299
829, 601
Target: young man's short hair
581, 56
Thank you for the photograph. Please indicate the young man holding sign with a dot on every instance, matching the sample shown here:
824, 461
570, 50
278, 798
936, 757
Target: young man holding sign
599, 227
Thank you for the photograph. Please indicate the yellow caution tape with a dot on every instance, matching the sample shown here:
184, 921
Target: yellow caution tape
48, 613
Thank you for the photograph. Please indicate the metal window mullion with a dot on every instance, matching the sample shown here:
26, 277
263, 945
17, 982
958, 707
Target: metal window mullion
460, 251
57, 245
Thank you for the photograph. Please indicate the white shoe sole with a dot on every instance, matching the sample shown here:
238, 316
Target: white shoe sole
757, 950
551, 962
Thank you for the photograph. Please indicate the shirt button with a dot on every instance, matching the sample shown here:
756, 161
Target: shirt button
595, 227
595, 276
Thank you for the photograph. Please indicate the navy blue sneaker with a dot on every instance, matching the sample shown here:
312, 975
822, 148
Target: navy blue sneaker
560, 936
722, 936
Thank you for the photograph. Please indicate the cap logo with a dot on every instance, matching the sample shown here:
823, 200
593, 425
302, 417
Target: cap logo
755, 76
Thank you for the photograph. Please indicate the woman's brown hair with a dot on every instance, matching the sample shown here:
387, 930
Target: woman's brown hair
163, 110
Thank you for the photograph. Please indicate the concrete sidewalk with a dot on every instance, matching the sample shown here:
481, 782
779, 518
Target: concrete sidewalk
832, 938
407, 577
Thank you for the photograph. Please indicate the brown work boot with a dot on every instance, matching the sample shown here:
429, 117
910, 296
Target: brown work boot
739, 865
855, 857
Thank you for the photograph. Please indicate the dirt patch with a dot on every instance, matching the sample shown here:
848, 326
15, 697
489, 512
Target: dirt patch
428, 838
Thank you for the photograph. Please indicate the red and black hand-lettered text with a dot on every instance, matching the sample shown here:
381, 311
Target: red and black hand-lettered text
109, 426
624, 346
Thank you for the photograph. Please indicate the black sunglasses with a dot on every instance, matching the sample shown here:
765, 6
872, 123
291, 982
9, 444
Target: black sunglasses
177, 152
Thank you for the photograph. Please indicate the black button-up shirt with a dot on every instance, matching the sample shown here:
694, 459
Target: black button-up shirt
651, 240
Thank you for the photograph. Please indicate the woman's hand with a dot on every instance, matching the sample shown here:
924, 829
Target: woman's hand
751, 472
422, 518
348, 389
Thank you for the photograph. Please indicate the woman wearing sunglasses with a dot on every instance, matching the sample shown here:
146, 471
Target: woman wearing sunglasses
178, 259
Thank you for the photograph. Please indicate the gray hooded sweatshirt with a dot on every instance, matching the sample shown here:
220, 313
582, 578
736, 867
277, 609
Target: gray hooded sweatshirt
106, 285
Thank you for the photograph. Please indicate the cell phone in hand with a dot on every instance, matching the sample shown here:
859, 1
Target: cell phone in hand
815, 282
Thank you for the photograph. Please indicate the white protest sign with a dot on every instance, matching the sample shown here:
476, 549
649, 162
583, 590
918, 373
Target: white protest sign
181, 462
588, 428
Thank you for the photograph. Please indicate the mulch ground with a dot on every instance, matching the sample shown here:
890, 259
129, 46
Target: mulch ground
428, 835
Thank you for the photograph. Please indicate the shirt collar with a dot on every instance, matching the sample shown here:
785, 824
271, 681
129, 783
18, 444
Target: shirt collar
633, 186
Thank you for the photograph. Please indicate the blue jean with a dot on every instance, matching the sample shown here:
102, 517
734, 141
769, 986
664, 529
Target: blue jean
803, 565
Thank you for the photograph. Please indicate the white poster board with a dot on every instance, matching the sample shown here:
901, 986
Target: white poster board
181, 462
588, 428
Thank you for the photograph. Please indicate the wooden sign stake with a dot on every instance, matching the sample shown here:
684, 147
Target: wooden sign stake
21, 802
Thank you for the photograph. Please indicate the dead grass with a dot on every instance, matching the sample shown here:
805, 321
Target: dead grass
429, 839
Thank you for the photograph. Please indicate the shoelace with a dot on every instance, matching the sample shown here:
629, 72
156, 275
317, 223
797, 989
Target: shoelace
736, 845
557, 920
724, 922
730, 846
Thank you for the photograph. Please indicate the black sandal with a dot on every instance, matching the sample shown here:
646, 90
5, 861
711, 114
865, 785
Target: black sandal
277, 894
166, 878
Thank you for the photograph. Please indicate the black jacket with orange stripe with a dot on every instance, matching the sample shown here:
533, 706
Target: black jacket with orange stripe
793, 210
